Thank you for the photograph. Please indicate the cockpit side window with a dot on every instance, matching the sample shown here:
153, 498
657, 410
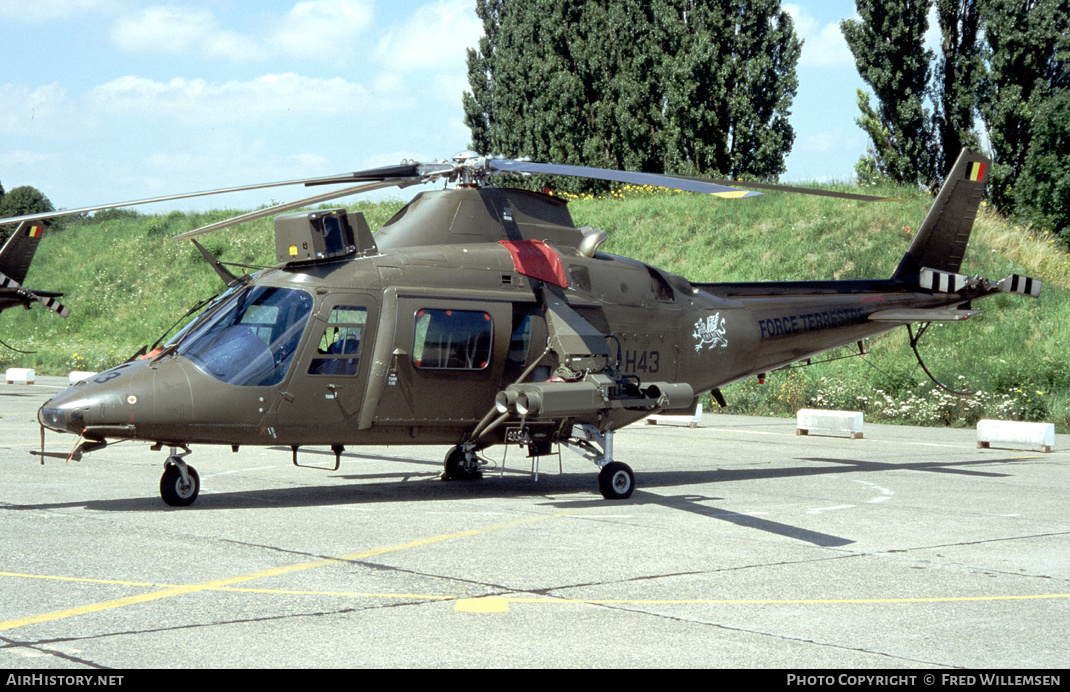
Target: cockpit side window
251, 341
452, 339
338, 352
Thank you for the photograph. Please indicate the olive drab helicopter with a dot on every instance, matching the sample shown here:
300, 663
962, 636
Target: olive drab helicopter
482, 315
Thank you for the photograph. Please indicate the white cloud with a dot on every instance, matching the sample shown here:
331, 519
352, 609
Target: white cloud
37, 11
323, 94
324, 30
824, 46
21, 158
319, 30
434, 37
425, 54
42, 111
179, 30
248, 102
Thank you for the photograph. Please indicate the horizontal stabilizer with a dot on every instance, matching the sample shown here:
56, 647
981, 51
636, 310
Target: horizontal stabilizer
906, 315
1022, 285
48, 299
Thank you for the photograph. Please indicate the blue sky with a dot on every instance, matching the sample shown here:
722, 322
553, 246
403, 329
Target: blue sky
113, 100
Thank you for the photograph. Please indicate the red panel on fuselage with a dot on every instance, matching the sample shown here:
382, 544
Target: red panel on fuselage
536, 259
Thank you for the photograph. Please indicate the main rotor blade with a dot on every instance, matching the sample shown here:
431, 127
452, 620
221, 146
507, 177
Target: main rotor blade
636, 178
169, 198
271, 211
422, 172
405, 170
797, 190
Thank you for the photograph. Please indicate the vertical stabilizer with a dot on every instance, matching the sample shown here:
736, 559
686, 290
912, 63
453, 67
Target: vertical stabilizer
18, 251
940, 242
15, 259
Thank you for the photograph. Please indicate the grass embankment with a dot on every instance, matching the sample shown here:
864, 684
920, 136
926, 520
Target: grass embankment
126, 282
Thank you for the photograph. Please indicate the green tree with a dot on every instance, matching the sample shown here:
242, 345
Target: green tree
959, 69
728, 78
1042, 194
1028, 59
667, 85
888, 44
21, 200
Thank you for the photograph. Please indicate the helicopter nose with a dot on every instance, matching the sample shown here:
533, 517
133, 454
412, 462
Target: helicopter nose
79, 406
111, 403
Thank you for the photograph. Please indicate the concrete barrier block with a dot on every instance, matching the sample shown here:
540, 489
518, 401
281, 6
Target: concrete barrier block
690, 420
20, 375
1015, 435
810, 420
75, 376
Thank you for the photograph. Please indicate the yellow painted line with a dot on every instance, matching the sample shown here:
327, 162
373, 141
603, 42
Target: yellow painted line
483, 605
236, 589
84, 579
344, 594
499, 604
219, 584
486, 604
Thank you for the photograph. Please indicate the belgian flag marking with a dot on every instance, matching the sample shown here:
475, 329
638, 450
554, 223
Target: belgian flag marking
976, 171
35, 231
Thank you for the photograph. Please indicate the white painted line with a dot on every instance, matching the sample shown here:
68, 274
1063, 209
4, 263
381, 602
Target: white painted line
227, 473
885, 495
819, 510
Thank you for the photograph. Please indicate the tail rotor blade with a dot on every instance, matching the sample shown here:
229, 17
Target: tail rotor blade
46, 299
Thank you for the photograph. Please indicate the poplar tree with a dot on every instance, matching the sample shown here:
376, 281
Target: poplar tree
958, 73
1028, 60
888, 44
682, 86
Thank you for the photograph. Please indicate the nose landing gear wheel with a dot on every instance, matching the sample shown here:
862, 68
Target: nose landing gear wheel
616, 481
176, 490
462, 465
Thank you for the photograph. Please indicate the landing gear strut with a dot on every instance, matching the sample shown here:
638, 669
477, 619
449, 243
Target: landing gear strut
180, 484
615, 480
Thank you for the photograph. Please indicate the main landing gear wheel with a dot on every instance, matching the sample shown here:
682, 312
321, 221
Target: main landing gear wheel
176, 490
462, 465
616, 481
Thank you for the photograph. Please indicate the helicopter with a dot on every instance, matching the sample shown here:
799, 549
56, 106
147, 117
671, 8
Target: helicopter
15, 259
481, 316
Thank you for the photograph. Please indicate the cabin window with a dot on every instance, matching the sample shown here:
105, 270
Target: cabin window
452, 339
338, 351
251, 340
